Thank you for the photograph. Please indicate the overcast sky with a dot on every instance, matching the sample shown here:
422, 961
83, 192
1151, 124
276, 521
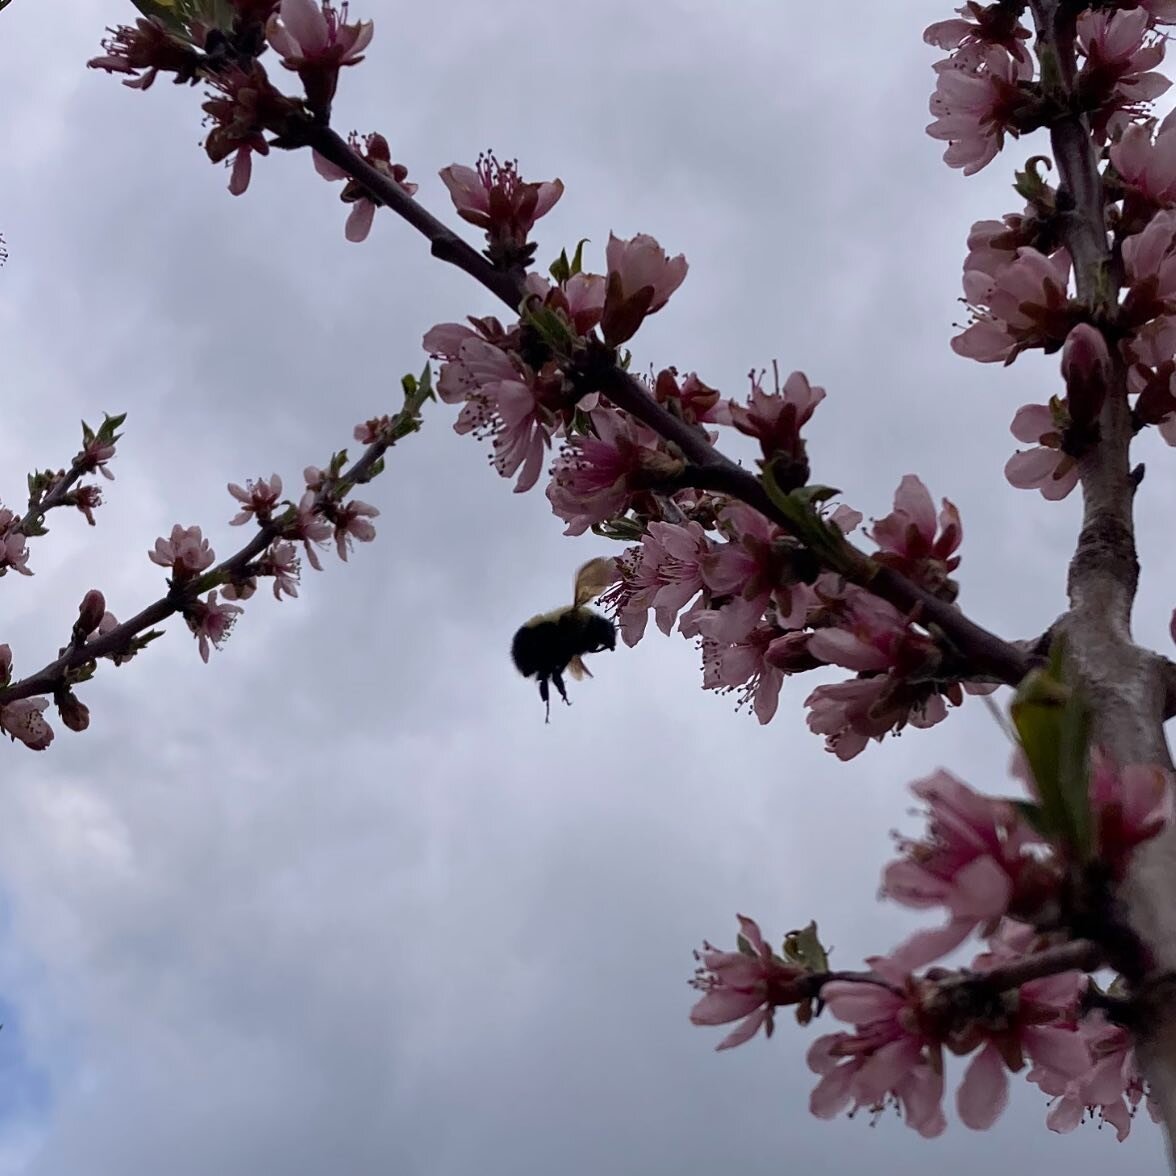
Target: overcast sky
339, 902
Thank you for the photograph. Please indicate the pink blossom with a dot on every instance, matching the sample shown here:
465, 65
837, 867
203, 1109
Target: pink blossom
1121, 56
147, 46
1046, 467
886, 1058
974, 104
316, 40
980, 26
850, 714
870, 635
493, 193
95, 453
1111, 1089
1148, 166
973, 861
1024, 304
187, 552
500, 400
242, 102
374, 150
993, 244
745, 666
775, 420
693, 400
841, 712
594, 476
1149, 259
1131, 805
641, 278
664, 573
743, 985
754, 569
258, 498
309, 526
14, 555
210, 621
351, 522
911, 539
24, 720
281, 562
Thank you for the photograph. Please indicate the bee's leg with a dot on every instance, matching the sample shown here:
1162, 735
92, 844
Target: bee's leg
546, 696
557, 678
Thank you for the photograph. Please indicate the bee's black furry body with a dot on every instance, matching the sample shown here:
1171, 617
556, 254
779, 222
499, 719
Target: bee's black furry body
546, 644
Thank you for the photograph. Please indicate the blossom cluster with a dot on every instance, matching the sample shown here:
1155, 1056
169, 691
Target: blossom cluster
995, 874
1017, 274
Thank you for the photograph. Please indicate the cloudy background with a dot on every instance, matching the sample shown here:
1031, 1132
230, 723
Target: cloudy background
339, 901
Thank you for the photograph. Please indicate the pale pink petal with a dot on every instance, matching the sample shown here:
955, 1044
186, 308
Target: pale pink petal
984, 1092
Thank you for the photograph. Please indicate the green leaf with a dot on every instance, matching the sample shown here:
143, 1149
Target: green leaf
805, 949
1033, 815
1054, 726
801, 510
560, 269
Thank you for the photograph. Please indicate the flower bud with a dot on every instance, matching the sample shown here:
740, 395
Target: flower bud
1086, 368
90, 614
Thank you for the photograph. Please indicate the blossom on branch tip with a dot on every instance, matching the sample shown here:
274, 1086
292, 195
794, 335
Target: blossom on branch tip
743, 985
315, 40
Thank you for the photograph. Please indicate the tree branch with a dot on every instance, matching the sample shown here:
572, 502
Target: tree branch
235, 567
1127, 685
987, 653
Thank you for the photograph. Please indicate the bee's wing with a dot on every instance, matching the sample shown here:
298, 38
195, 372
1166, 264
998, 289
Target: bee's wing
593, 578
578, 669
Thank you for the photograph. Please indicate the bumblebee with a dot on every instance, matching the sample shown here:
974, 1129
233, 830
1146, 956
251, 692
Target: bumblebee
556, 641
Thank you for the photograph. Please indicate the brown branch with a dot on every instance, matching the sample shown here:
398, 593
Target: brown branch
712, 470
118, 640
1081, 955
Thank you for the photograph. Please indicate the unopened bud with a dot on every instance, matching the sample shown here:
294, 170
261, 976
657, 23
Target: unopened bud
5, 665
1086, 368
74, 713
90, 614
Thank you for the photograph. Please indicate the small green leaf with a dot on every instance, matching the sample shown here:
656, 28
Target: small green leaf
1054, 726
805, 949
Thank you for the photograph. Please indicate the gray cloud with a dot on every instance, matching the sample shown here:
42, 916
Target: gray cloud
339, 901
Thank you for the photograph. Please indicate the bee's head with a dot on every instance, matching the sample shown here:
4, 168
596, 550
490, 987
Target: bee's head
599, 632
